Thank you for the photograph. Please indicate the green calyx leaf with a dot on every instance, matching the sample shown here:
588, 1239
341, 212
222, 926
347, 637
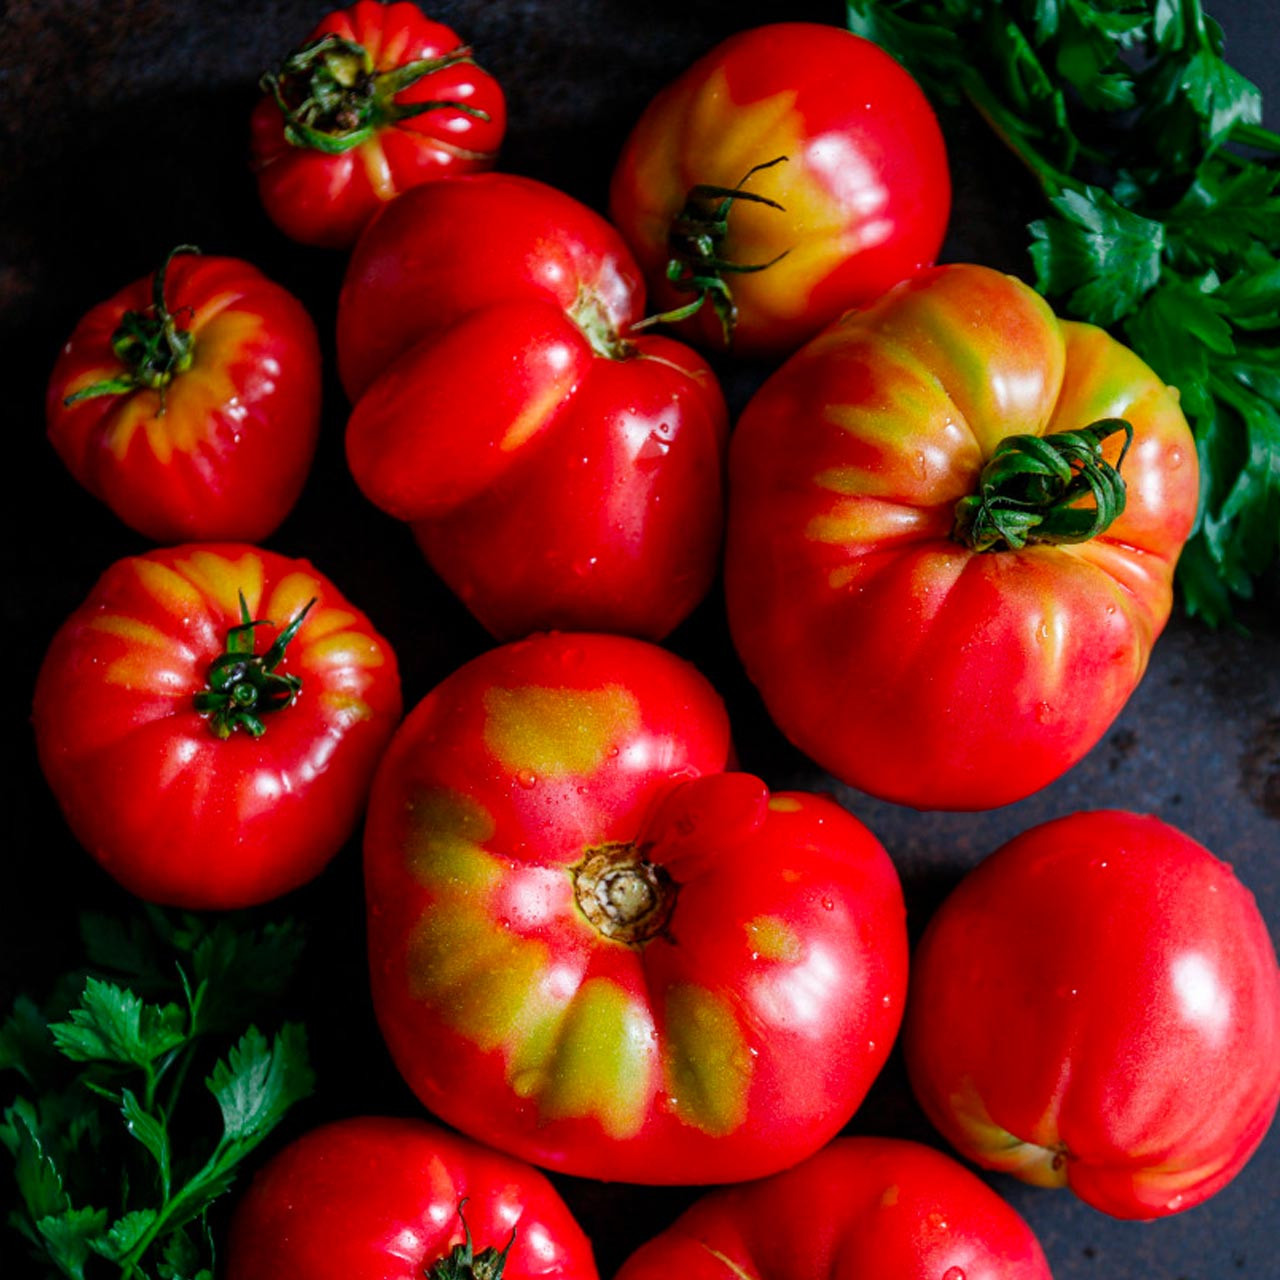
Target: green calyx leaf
1033, 487
462, 1263
333, 99
243, 686
149, 344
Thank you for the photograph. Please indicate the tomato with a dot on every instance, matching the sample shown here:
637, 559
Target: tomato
559, 472
874, 1208
793, 172
1098, 1006
374, 1198
379, 99
594, 949
908, 622
190, 402
198, 772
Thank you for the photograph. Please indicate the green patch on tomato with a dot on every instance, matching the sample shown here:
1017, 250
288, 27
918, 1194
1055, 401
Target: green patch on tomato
706, 1061
555, 732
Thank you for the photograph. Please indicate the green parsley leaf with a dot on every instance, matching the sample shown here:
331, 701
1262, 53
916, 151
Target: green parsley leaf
124, 1235
69, 1236
257, 1083
112, 1024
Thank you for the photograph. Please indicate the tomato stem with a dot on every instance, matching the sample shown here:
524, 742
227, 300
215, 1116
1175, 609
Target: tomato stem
696, 241
149, 344
332, 99
1031, 490
242, 685
625, 897
463, 1264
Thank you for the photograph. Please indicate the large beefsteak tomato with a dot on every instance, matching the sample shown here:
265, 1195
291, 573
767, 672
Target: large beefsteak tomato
190, 402
593, 948
199, 772
920, 577
1098, 1006
374, 1198
379, 99
560, 473
870, 1208
793, 172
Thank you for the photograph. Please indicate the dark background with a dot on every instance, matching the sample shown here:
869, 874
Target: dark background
123, 132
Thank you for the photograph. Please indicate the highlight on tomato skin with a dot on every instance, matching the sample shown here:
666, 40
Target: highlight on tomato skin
794, 171
953, 526
874, 1208
594, 948
560, 470
1097, 1006
189, 403
209, 720
380, 98
376, 1198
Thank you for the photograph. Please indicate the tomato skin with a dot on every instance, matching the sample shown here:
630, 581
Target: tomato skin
225, 453
865, 188
140, 774
734, 1037
327, 200
558, 473
899, 659
1103, 987
375, 1198
875, 1208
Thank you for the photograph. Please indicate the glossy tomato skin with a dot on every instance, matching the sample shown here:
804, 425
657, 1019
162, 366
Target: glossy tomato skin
374, 1198
901, 660
176, 814
726, 1029
223, 453
558, 472
1098, 1006
865, 188
327, 199
875, 1208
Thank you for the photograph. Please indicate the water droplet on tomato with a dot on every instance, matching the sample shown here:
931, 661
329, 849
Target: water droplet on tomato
1175, 1203
886, 1000
653, 450
1175, 459
527, 779
953, 1273
828, 905
1044, 712
613, 751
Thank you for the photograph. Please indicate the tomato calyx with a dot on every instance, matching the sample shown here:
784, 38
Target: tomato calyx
590, 315
624, 896
462, 1263
242, 685
149, 344
333, 99
696, 242
1031, 488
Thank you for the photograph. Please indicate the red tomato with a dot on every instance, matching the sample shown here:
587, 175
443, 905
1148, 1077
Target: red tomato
793, 172
898, 636
593, 948
1098, 1006
194, 401
559, 473
379, 99
871, 1208
381, 1199
203, 780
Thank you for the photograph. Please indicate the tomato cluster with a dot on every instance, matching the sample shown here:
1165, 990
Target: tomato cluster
594, 943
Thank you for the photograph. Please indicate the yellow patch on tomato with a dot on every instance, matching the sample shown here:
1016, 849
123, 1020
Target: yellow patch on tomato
706, 1061
852, 521
784, 804
444, 849
554, 732
290, 596
175, 592
223, 581
596, 1060
774, 939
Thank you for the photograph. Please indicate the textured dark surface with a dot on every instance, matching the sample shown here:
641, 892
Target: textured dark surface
124, 132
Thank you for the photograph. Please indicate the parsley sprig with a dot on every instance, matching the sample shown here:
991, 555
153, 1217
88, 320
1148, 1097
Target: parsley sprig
112, 1175
1165, 223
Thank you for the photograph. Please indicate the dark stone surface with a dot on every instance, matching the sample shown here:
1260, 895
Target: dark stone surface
124, 132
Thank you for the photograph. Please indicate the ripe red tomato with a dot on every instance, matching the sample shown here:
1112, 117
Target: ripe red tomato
793, 172
205, 756
190, 402
1098, 1006
379, 1199
889, 589
379, 99
559, 473
593, 948
874, 1208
